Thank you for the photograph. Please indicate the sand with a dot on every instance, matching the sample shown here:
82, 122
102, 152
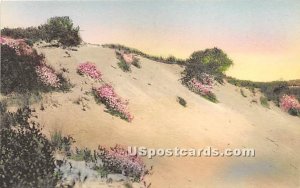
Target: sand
161, 122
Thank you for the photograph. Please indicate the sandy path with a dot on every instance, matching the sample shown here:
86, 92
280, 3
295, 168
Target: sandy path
160, 122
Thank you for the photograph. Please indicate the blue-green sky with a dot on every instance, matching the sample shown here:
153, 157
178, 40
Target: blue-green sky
261, 36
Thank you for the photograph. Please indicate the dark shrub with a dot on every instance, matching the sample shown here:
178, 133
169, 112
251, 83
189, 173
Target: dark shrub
18, 71
26, 158
181, 101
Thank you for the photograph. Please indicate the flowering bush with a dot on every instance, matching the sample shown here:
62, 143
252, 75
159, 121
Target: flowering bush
117, 159
89, 69
19, 45
203, 87
113, 102
290, 104
47, 76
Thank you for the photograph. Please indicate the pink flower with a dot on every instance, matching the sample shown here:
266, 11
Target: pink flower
128, 58
117, 159
108, 96
47, 76
19, 45
289, 103
89, 69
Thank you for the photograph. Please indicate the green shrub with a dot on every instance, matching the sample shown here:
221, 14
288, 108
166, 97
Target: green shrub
62, 30
211, 61
181, 101
211, 97
264, 102
26, 158
60, 142
124, 66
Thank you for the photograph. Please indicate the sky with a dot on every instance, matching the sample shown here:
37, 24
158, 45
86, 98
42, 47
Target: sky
261, 37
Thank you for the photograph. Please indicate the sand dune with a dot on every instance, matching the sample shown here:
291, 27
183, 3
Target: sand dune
160, 122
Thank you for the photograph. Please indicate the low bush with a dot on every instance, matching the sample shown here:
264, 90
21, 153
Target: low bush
23, 70
203, 87
290, 104
26, 158
264, 102
118, 160
181, 101
115, 105
124, 66
89, 69
60, 142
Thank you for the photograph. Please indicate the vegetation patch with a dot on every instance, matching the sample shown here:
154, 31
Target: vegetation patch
60, 29
26, 154
181, 101
290, 104
89, 69
115, 105
264, 102
24, 70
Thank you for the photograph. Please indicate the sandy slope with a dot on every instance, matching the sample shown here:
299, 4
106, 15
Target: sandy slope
160, 122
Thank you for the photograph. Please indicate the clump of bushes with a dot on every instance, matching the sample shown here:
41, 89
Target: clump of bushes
210, 61
26, 158
115, 105
181, 101
23, 69
273, 91
117, 159
290, 104
89, 69
60, 29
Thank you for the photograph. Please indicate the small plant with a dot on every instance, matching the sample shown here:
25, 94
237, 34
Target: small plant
290, 104
60, 142
124, 66
89, 69
82, 155
264, 102
136, 63
118, 160
116, 106
243, 93
181, 101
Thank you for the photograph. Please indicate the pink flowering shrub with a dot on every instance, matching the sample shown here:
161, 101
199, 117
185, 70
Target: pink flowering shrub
47, 76
126, 60
290, 104
117, 159
19, 45
203, 87
89, 69
113, 102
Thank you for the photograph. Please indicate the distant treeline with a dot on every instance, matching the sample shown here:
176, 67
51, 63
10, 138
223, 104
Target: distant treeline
272, 90
60, 29
168, 60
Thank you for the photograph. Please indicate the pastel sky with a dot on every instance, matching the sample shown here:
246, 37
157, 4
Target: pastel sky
262, 37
